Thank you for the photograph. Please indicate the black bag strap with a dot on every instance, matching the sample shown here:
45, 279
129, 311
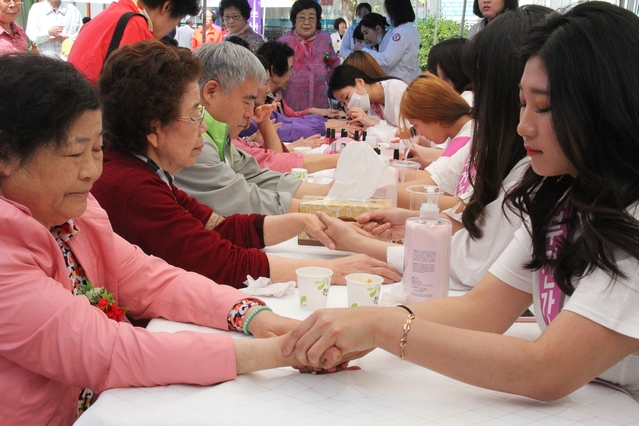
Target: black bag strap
119, 32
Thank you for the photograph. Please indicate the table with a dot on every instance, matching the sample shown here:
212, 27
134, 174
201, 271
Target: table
386, 391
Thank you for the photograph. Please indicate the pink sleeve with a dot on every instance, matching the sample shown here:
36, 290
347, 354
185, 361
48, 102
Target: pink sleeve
268, 159
47, 331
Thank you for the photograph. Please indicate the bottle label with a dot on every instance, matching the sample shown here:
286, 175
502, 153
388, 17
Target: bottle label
426, 266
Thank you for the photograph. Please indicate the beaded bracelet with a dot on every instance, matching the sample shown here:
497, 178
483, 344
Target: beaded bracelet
250, 317
409, 320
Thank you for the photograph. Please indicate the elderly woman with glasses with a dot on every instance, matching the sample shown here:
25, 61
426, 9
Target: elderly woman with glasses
235, 14
12, 36
153, 127
314, 59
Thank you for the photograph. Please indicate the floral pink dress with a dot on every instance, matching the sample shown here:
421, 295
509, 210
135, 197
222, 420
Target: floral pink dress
313, 64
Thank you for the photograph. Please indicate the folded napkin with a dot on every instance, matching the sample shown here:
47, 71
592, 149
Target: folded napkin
396, 296
263, 287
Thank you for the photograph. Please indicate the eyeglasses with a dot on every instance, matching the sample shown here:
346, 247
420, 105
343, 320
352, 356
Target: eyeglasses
197, 119
310, 19
231, 18
8, 2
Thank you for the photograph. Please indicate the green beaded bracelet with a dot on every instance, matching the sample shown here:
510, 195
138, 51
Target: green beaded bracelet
250, 317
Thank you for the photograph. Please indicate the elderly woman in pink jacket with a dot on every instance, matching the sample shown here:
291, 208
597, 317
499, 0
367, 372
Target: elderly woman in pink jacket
314, 59
68, 280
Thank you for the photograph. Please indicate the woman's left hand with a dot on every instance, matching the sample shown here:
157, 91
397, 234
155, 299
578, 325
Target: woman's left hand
269, 324
326, 112
312, 141
317, 229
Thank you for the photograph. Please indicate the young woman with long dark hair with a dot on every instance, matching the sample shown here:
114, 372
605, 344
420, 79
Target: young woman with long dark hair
576, 257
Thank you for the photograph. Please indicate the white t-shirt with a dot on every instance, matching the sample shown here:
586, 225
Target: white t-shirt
385, 129
470, 259
613, 305
445, 171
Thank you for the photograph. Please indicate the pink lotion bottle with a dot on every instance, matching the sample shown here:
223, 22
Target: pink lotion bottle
427, 252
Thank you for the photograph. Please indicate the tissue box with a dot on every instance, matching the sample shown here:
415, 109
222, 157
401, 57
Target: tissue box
342, 209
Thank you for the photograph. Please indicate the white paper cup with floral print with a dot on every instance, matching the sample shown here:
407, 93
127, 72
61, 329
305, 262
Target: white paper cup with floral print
300, 173
313, 284
363, 289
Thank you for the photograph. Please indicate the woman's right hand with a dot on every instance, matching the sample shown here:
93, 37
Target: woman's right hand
359, 116
388, 223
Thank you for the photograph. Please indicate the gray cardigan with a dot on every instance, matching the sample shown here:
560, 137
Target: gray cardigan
237, 185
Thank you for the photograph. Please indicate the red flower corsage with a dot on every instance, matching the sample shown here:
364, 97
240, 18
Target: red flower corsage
103, 300
327, 59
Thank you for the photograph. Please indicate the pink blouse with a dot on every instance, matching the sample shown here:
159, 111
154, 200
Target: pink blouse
16, 41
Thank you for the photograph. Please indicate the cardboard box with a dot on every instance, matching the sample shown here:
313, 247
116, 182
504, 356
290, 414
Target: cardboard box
342, 209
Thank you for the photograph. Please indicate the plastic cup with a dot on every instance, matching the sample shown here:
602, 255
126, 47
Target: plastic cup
419, 194
406, 170
303, 149
363, 289
300, 173
313, 284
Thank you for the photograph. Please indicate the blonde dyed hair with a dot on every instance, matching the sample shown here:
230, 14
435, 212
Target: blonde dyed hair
365, 63
430, 99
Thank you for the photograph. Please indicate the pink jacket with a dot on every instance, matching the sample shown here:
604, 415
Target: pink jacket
53, 343
267, 158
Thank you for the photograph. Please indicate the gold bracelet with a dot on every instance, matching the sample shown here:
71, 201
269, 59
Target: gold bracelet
402, 342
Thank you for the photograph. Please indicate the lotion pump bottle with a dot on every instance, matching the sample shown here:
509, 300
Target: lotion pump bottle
427, 252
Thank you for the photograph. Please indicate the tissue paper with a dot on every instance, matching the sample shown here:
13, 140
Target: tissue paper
263, 287
360, 172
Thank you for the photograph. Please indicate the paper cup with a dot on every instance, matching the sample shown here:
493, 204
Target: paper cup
363, 289
418, 194
303, 149
300, 173
313, 284
406, 170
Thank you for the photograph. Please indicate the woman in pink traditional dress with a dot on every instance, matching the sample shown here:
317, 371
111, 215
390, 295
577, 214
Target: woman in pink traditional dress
314, 59
577, 256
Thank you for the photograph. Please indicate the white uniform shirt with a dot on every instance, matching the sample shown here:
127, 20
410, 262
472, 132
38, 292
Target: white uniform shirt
42, 17
337, 44
611, 304
385, 129
398, 52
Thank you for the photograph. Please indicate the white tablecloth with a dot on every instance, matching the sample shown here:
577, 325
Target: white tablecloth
386, 391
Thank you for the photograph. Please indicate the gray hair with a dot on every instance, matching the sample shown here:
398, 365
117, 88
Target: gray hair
229, 65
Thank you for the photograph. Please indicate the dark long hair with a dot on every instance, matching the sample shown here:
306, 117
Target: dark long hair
589, 55
492, 61
345, 76
448, 55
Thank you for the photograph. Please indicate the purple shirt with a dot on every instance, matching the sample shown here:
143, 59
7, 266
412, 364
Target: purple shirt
14, 42
308, 84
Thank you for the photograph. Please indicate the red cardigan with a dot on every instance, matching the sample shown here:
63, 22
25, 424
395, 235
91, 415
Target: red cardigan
168, 223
